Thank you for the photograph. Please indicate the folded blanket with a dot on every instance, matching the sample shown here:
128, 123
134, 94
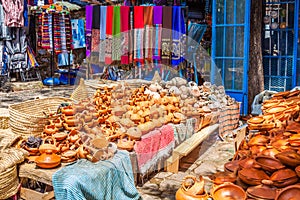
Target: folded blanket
110, 179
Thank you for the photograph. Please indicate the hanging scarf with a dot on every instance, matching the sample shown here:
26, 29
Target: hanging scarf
148, 21
178, 36
63, 33
166, 35
102, 33
88, 28
68, 28
57, 25
116, 33
46, 31
157, 23
109, 21
125, 34
138, 34
96, 29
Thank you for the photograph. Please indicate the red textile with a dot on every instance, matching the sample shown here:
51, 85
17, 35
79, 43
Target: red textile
125, 34
109, 26
138, 16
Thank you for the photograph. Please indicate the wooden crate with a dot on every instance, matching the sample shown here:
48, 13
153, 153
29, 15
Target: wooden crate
29, 194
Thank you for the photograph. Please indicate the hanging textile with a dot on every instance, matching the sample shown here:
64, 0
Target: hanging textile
166, 35
148, 21
58, 23
25, 13
108, 39
116, 34
138, 34
178, 36
31, 58
96, 29
78, 33
125, 12
14, 13
102, 33
5, 32
88, 28
157, 23
46, 31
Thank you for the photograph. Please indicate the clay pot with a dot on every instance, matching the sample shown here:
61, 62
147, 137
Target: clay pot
99, 142
125, 144
256, 120
50, 129
276, 109
231, 166
258, 140
135, 133
69, 156
252, 176
68, 111
223, 177
293, 127
247, 163
229, 191
60, 136
257, 149
58, 123
73, 136
289, 158
191, 188
268, 163
280, 143
118, 111
262, 192
70, 120
82, 152
49, 143
48, 160
270, 152
291, 193
284, 177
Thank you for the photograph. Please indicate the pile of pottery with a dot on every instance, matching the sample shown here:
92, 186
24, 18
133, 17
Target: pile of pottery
193, 189
276, 111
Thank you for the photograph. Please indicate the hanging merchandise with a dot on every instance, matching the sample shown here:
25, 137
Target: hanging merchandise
116, 34
178, 36
138, 34
148, 21
5, 32
166, 35
14, 13
78, 33
95, 29
125, 12
108, 39
157, 23
88, 28
25, 13
102, 34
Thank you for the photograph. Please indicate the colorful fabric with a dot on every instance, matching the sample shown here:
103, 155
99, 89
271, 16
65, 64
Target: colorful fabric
95, 29
148, 21
14, 13
125, 12
153, 147
102, 34
108, 39
178, 36
138, 48
110, 179
166, 36
31, 58
116, 34
78, 33
157, 23
88, 29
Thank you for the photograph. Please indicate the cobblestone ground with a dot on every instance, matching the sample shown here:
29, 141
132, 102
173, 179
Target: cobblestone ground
212, 157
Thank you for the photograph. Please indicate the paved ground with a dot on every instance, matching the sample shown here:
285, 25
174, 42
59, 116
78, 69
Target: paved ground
212, 156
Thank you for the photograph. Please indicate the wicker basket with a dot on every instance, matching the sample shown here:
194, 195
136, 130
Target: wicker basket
81, 92
4, 118
30, 117
9, 182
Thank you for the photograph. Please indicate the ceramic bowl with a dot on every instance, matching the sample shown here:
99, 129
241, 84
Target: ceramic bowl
229, 191
291, 192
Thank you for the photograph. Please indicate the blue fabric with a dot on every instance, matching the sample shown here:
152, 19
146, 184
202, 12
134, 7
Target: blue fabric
25, 13
103, 180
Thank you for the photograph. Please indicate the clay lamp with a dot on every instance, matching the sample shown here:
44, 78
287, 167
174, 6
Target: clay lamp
71, 120
48, 160
268, 163
64, 146
73, 136
291, 193
252, 176
229, 191
50, 129
118, 111
99, 142
135, 118
289, 158
68, 110
284, 177
68, 156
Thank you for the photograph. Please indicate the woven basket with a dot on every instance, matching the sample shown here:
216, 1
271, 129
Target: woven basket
4, 118
28, 118
9, 182
81, 92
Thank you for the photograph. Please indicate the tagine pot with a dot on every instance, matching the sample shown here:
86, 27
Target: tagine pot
48, 160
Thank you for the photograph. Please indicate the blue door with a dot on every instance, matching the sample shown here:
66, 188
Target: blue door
230, 46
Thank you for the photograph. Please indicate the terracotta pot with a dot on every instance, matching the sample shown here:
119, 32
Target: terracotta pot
135, 133
223, 177
258, 140
125, 144
68, 111
289, 193
262, 192
60, 136
58, 123
268, 163
252, 176
284, 177
248, 163
49, 143
272, 152
181, 194
191, 188
231, 166
289, 158
48, 160
256, 120
50, 129
82, 152
229, 191
68, 156
257, 149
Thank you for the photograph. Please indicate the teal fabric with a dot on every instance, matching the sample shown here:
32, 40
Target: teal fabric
103, 180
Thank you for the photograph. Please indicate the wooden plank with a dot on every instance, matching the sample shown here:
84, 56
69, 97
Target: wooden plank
29, 194
188, 146
239, 134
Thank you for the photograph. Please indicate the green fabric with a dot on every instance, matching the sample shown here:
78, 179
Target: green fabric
116, 32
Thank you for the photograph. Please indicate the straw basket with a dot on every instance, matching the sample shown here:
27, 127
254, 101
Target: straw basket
81, 92
30, 117
9, 182
4, 118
